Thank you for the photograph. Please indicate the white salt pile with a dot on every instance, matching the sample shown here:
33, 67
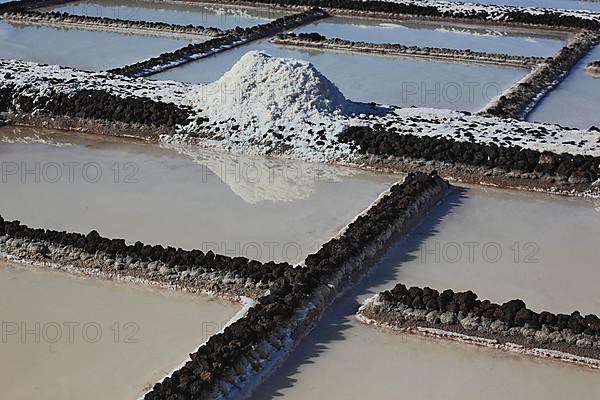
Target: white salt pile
275, 104
261, 88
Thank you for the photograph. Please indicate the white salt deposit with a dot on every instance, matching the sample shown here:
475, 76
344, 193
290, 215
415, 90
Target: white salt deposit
264, 89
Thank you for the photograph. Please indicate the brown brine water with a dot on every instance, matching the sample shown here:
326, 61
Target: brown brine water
67, 337
261, 208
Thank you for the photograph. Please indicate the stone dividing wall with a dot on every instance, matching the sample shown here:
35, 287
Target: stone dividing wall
529, 164
92, 253
319, 41
463, 313
234, 362
523, 97
234, 38
109, 23
98, 105
484, 13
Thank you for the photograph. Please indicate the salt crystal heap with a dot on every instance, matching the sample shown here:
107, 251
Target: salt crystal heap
274, 104
268, 89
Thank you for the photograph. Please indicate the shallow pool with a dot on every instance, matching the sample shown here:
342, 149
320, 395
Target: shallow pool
343, 359
180, 13
83, 49
505, 245
370, 78
494, 39
66, 337
576, 101
184, 197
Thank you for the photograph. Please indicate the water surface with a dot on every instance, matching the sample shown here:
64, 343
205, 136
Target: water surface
187, 197
180, 13
535, 247
83, 49
494, 39
95, 339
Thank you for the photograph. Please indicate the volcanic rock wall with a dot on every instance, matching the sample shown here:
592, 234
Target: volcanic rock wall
315, 40
92, 253
529, 164
501, 326
233, 362
523, 97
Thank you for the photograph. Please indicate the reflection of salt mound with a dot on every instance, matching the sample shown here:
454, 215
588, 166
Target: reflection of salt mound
14, 134
256, 179
262, 88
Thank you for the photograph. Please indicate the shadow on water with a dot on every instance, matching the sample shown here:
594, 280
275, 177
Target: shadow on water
339, 318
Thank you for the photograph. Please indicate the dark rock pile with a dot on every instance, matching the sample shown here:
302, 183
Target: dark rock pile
235, 37
593, 68
95, 105
546, 17
523, 97
463, 312
151, 260
6, 95
385, 142
242, 344
66, 18
320, 41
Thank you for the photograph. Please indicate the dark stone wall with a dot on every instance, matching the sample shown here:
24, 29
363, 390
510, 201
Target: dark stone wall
384, 142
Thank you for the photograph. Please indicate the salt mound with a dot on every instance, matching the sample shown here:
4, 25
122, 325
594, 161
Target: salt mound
265, 89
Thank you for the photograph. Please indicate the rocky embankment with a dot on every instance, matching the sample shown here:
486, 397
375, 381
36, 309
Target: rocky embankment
95, 255
315, 40
511, 326
593, 68
518, 101
502, 14
103, 23
234, 38
25, 5
234, 362
469, 161
130, 116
